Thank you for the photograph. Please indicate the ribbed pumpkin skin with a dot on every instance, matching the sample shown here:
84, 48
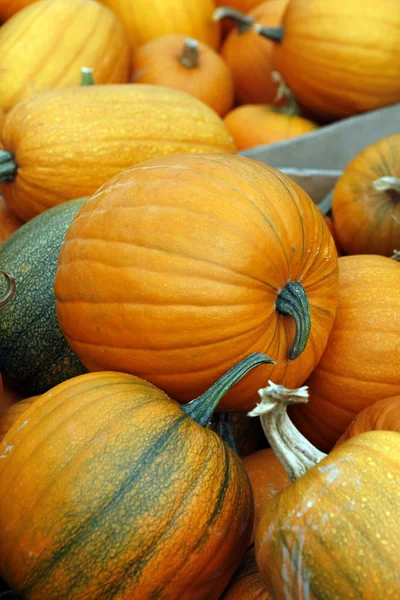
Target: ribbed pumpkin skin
8, 221
334, 533
62, 37
360, 363
368, 221
131, 497
67, 143
148, 19
171, 272
328, 55
257, 124
382, 415
34, 355
9, 7
247, 583
14, 411
158, 62
250, 57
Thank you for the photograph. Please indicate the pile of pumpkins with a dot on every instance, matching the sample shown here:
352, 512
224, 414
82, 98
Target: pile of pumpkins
200, 378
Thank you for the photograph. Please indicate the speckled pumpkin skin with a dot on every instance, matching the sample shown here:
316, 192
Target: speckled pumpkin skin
132, 499
335, 532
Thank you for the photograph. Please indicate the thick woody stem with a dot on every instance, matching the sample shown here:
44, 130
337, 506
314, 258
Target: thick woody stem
242, 22
190, 57
387, 184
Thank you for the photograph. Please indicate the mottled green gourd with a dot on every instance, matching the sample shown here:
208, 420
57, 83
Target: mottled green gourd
34, 355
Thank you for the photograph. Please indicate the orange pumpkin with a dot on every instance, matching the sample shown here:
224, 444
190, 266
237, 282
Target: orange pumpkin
220, 255
14, 411
257, 124
381, 415
64, 144
8, 8
331, 226
366, 200
8, 221
247, 583
340, 510
360, 363
55, 61
188, 65
131, 494
250, 57
145, 20
327, 55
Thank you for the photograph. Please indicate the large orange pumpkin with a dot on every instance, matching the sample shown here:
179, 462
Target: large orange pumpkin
381, 415
181, 266
45, 45
332, 533
250, 57
64, 144
148, 19
8, 221
360, 363
328, 55
185, 64
131, 495
366, 200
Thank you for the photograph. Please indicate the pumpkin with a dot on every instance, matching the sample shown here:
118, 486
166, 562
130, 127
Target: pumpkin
51, 62
332, 228
9, 7
8, 221
327, 55
249, 56
63, 144
257, 124
383, 414
267, 477
186, 64
13, 412
34, 355
185, 264
132, 493
332, 533
247, 584
145, 20
360, 362
366, 200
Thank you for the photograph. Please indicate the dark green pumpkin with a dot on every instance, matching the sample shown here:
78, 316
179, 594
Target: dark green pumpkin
34, 355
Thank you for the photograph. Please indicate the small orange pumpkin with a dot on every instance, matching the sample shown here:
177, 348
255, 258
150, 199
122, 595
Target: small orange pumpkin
51, 62
249, 56
366, 200
188, 65
381, 415
8, 221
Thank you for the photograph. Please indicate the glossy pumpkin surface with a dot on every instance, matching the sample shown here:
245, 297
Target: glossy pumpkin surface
381, 415
131, 497
333, 533
145, 20
67, 143
34, 355
360, 363
368, 219
182, 281
185, 64
8, 221
53, 63
328, 55
250, 57
257, 124
247, 583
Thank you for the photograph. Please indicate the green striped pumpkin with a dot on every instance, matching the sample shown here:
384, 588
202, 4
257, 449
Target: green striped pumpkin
133, 496
34, 355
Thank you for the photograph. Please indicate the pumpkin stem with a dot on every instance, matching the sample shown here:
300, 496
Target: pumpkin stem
292, 300
293, 450
201, 408
241, 21
283, 92
190, 56
275, 34
396, 255
390, 185
86, 76
9, 293
8, 166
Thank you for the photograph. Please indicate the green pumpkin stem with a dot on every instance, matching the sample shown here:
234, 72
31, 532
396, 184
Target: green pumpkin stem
190, 56
275, 34
296, 454
201, 408
283, 92
388, 184
9, 292
241, 21
8, 166
86, 76
292, 300
396, 255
